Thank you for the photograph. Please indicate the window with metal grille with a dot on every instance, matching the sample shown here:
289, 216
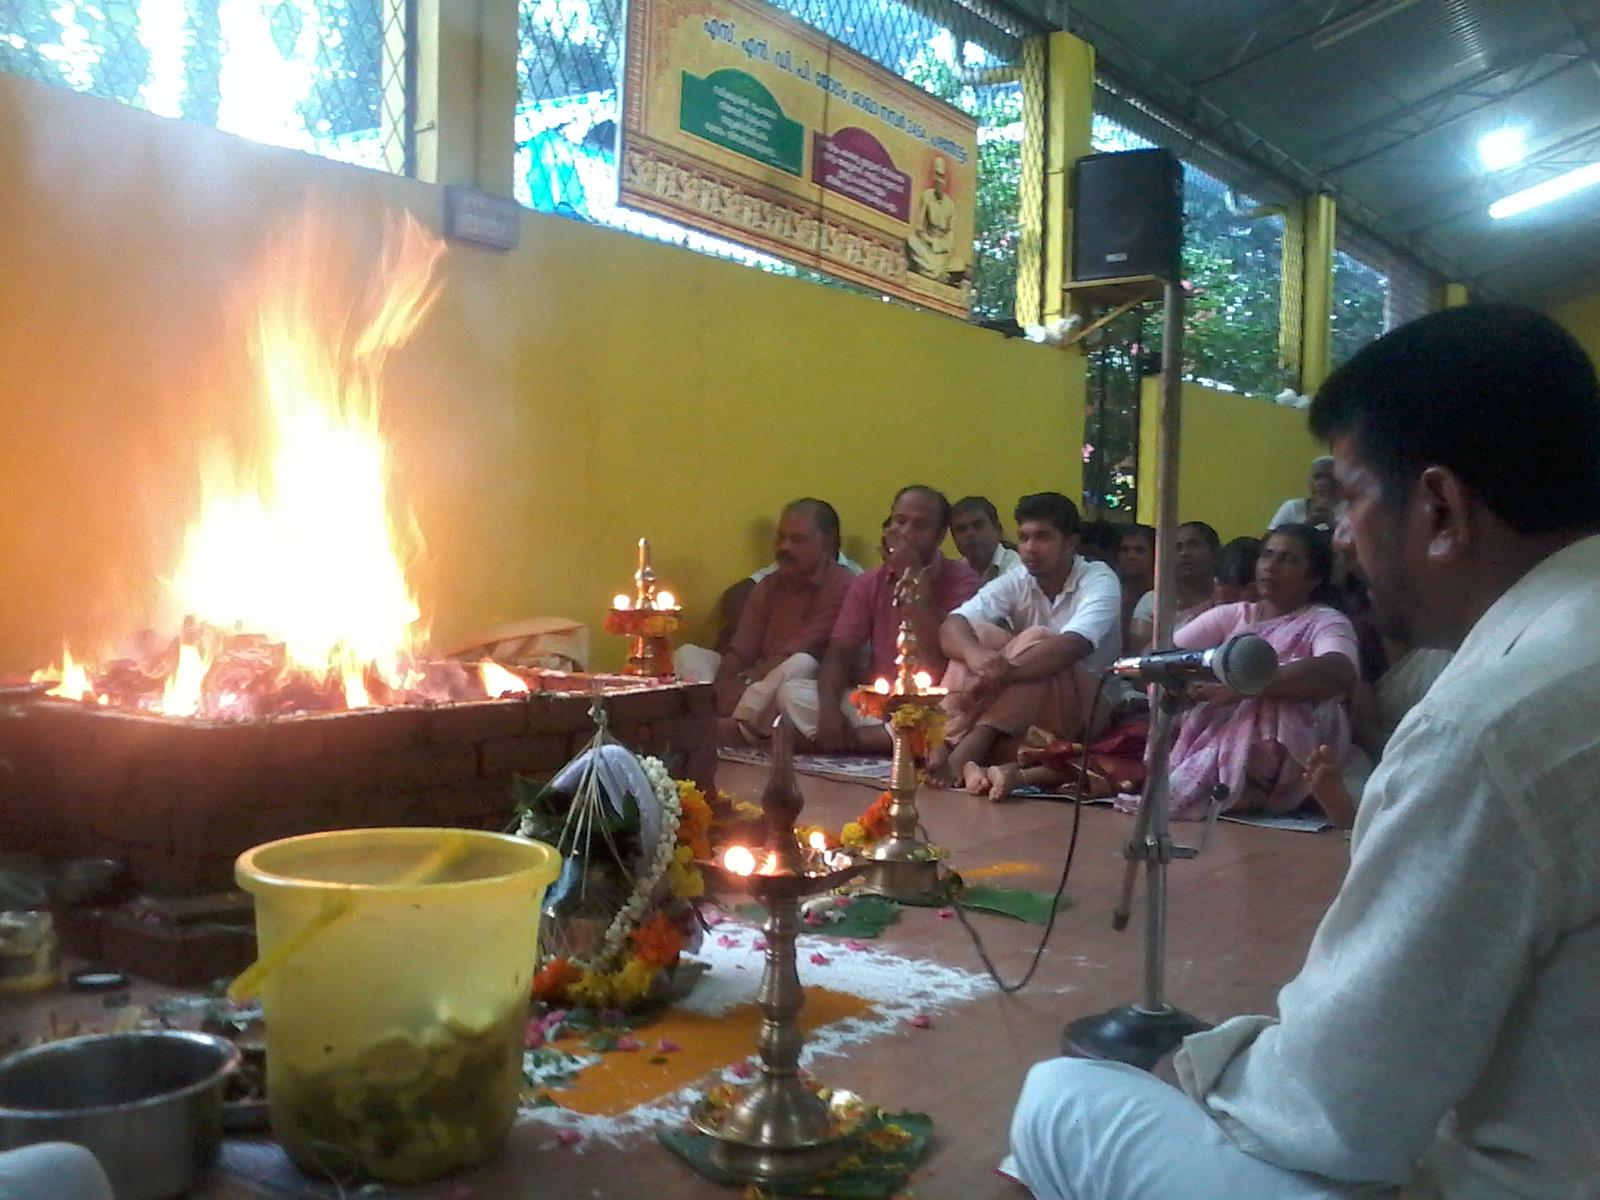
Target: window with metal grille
569, 114
330, 77
1233, 263
1375, 289
1232, 253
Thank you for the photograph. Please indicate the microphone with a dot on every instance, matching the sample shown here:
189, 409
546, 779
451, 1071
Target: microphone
1245, 663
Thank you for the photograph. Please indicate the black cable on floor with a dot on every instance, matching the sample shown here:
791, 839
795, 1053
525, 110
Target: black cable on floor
1066, 870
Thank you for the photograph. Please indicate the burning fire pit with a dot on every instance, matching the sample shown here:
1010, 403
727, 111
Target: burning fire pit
294, 690
178, 800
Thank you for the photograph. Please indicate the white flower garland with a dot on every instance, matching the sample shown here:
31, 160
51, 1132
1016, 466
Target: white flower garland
632, 914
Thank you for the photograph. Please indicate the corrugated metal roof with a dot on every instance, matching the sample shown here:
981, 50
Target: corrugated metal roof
1383, 101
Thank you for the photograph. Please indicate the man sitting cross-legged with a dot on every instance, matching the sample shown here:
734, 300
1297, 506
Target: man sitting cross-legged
1065, 613
870, 621
783, 626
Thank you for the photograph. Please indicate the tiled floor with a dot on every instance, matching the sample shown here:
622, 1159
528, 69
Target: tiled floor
1241, 917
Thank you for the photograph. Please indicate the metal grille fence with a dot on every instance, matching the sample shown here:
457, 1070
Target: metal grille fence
1233, 243
568, 115
331, 77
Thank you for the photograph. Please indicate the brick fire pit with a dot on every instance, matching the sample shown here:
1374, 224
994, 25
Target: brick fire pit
178, 800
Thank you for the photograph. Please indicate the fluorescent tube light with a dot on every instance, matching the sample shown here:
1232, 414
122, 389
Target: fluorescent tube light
1543, 193
1502, 148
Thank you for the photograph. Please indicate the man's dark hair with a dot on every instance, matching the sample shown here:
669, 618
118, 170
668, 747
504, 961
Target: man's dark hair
1146, 532
976, 504
823, 513
1236, 565
1052, 507
1498, 393
1099, 539
931, 493
1207, 534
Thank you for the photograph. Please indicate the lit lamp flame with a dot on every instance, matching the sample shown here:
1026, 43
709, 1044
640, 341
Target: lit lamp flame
666, 600
881, 686
817, 841
739, 860
497, 681
621, 603
923, 680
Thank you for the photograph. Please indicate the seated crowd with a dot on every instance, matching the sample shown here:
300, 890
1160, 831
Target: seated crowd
1020, 634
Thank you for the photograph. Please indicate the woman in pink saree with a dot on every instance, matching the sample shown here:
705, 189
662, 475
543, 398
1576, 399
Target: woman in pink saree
1257, 746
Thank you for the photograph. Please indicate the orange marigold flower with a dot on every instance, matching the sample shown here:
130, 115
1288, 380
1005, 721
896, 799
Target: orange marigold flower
658, 941
876, 819
553, 979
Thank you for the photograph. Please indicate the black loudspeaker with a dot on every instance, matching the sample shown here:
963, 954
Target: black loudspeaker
1128, 215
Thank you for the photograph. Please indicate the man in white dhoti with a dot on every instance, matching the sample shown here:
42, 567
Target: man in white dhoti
1441, 1038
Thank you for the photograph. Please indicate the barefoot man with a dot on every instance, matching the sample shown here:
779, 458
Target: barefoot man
1062, 617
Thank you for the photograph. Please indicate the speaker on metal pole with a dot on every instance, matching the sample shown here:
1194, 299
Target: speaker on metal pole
1127, 215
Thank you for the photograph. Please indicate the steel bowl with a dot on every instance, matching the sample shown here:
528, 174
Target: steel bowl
148, 1104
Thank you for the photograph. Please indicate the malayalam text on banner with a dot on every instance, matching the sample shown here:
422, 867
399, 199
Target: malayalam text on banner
745, 123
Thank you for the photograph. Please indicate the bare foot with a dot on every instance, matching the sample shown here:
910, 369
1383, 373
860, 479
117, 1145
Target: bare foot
1003, 780
973, 778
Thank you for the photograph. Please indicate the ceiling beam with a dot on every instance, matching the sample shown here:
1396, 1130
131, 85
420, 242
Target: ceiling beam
1550, 245
1448, 105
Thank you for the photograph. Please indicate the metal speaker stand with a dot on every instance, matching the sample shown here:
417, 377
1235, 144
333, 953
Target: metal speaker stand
1143, 1034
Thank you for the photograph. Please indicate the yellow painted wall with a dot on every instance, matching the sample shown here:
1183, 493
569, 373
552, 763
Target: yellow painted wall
1582, 318
562, 400
1241, 458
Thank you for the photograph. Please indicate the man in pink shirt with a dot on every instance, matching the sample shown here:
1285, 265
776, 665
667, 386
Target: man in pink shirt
869, 622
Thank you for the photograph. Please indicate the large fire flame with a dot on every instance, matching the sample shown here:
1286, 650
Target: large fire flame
297, 542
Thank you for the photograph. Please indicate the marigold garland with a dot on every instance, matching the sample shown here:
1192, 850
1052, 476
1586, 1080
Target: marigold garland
658, 934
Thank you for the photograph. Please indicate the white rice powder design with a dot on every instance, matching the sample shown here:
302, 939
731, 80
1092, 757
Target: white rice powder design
897, 988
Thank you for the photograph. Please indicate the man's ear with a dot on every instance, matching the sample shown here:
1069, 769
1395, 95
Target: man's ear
1444, 507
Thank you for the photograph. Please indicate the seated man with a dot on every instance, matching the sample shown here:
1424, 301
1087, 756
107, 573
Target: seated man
1440, 1038
869, 623
975, 529
731, 606
1136, 567
1320, 507
1195, 553
1065, 613
783, 626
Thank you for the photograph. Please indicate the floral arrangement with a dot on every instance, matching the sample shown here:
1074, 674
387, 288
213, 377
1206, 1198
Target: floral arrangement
869, 827
653, 927
642, 622
920, 719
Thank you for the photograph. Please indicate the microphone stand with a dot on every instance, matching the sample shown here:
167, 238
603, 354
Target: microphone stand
1142, 1034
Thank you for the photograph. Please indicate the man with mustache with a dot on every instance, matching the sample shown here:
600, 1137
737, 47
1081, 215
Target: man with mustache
869, 621
782, 628
1440, 1042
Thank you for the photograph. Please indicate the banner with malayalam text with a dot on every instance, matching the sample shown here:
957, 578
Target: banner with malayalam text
743, 122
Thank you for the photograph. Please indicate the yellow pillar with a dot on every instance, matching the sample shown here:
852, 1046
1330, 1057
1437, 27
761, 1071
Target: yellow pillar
1453, 295
1305, 316
466, 92
1058, 108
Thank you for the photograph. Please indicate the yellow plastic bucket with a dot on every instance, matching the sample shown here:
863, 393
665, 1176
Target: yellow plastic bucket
395, 1032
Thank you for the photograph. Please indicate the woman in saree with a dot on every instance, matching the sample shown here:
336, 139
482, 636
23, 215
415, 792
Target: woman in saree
1258, 746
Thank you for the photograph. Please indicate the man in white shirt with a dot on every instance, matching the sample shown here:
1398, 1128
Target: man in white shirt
1320, 507
1028, 648
975, 529
1441, 1040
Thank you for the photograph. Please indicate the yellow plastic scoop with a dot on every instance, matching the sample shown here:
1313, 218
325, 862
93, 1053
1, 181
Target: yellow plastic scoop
247, 984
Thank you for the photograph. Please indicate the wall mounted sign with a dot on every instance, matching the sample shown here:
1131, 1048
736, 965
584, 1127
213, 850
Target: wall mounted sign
743, 122
482, 218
